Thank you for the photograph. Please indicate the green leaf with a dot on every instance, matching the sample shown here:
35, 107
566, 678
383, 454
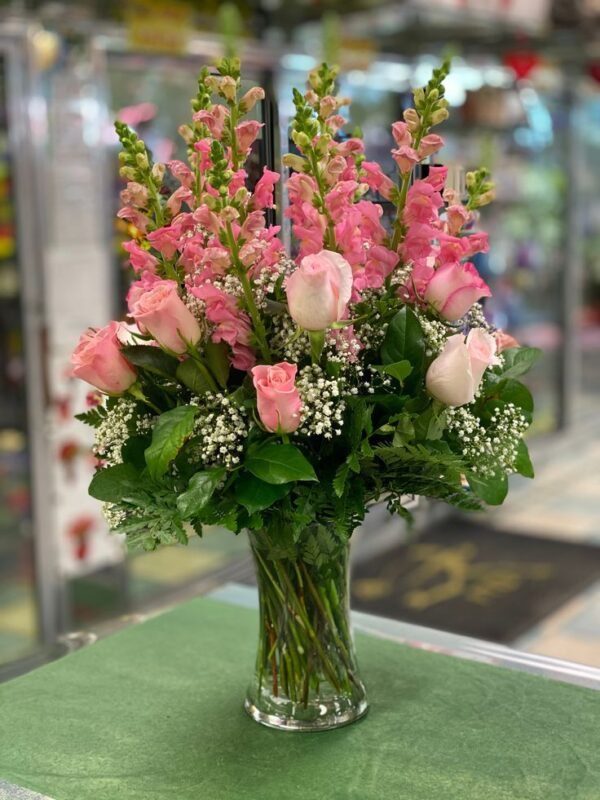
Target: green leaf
339, 482
279, 463
217, 358
133, 451
170, 432
404, 341
491, 490
152, 359
353, 462
523, 463
200, 489
399, 370
256, 495
431, 423
511, 391
190, 374
518, 360
94, 417
112, 484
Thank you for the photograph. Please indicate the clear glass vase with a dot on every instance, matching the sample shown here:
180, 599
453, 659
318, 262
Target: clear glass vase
306, 675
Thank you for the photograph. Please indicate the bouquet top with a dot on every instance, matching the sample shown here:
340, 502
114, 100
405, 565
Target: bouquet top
261, 389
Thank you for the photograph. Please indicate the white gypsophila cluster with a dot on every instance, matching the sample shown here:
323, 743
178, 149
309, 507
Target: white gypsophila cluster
322, 403
265, 281
117, 427
475, 318
493, 449
114, 515
222, 428
436, 333
288, 340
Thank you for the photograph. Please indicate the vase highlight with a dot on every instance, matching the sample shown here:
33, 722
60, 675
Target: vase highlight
306, 676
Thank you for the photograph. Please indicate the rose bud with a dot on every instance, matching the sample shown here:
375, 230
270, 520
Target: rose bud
97, 359
454, 288
319, 290
163, 314
277, 397
454, 376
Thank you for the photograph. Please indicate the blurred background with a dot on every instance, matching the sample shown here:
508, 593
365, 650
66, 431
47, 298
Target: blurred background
525, 101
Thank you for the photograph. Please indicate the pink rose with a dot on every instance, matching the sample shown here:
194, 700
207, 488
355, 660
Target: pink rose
319, 290
97, 359
162, 313
454, 288
455, 375
277, 397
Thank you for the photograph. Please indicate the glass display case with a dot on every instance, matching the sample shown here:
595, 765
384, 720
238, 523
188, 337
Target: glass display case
26, 567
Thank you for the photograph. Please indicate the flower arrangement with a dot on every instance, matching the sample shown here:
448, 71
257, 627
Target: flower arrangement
283, 393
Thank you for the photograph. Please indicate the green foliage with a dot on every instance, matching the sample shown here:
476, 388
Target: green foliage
257, 495
94, 417
492, 490
113, 484
523, 463
152, 359
191, 374
170, 432
279, 463
200, 489
404, 341
217, 360
519, 360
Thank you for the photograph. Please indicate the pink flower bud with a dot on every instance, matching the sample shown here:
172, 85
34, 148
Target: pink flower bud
319, 290
162, 313
455, 375
454, 288
97, 359
277, 398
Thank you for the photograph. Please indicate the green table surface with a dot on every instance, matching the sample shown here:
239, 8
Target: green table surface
155, 713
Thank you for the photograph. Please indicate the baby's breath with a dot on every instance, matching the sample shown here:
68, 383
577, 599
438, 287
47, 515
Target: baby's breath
322, 403
220, 430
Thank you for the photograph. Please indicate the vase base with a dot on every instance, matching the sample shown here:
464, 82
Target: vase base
326, 722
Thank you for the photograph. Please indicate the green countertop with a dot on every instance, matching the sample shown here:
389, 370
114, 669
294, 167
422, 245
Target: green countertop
155, 713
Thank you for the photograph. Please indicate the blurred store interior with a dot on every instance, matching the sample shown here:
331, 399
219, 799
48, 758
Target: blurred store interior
525, 101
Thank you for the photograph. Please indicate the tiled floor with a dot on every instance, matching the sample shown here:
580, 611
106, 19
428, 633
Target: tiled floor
562, 502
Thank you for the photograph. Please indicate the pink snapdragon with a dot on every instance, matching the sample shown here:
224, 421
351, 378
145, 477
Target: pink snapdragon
246, 133
166, 239
213, 119
263, 196
405, 157
430, 144
422, 204
141, 260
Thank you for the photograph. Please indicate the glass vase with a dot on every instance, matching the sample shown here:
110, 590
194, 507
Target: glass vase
306, 675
